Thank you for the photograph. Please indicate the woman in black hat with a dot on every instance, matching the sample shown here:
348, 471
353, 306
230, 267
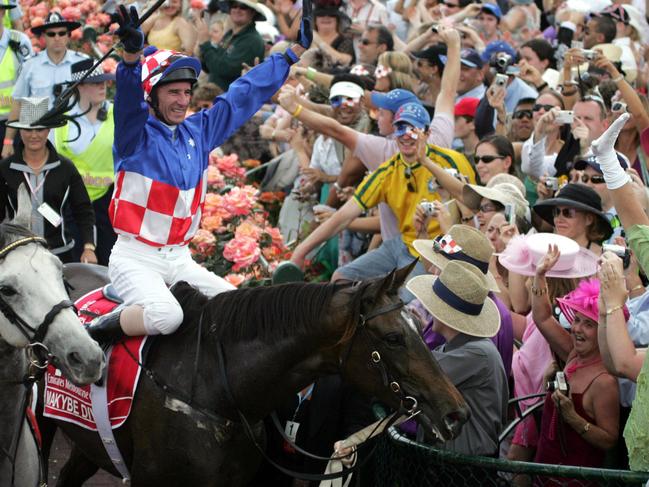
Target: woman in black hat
576, 212
331, 48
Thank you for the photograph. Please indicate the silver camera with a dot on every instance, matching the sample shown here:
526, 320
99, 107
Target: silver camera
564, 117
589, 54
622, 252
429, 208
559, 383
552, 183
501, 80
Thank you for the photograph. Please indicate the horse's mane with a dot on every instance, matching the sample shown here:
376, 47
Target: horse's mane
266, 313
10, 232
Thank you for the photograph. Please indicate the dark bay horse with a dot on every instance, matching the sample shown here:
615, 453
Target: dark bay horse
276, 340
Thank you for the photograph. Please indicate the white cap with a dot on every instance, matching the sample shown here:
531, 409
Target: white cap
346, 88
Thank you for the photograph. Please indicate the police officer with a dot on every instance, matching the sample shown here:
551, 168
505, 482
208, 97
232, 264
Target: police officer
45, 73
90, 148
15, 48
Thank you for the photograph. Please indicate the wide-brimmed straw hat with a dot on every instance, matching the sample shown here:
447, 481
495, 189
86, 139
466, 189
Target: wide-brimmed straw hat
458, 298
525, 252
53, 20
503, 193
578, 196
31, 111
261, 14
504, 177
461, 243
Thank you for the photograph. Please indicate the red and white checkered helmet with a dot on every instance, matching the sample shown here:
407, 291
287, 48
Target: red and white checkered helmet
162, 66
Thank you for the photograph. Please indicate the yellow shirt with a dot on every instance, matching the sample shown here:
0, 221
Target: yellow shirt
403, 186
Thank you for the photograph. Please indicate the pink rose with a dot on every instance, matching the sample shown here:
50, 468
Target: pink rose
71, 13
230, 167
212, 223
204, 242
235, 279
248, 229
243, 251
238, 202
214, 177
275, 235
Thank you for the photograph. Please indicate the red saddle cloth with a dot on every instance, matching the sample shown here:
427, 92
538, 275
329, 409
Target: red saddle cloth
68, 402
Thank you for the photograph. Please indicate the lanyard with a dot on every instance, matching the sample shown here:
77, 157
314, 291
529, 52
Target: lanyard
29, 184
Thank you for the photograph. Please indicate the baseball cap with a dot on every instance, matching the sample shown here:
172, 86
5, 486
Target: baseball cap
582, 163
346, 88
466, 107
492, 9
413, 114
393, 99
468, 57
433, 54
495, 47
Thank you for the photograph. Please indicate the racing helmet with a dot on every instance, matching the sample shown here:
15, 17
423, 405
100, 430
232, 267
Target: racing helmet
163, 66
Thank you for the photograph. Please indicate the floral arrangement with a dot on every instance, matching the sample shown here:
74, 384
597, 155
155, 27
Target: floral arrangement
236, 239
94, 37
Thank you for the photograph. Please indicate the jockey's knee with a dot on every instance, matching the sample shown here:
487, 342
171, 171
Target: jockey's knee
162, 318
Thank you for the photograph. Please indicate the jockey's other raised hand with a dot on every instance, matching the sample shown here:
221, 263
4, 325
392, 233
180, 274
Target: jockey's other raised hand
129, 32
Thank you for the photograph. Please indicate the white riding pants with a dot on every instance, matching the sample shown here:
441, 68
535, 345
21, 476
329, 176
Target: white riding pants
141, 274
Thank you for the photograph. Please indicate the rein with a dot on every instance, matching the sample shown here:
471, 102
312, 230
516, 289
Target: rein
38, 354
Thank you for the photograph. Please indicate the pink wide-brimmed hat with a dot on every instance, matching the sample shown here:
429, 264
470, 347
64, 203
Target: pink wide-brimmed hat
584, 300
524, 253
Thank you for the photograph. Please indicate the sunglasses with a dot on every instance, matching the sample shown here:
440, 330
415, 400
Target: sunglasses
487, 208
538, 107
367, 42
487, 159
595, 179
522, 114
565, 212
412, 183
59, 33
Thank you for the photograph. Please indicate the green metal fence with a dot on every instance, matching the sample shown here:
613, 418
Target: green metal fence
401, 462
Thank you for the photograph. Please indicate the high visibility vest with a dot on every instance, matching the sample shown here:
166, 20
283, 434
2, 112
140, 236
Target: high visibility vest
6, 20
95, 164
8, 75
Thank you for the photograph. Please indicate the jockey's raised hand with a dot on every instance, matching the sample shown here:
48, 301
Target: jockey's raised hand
604, 151
129, 32
305, 36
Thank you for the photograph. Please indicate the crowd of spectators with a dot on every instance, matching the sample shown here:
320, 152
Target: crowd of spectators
502, 143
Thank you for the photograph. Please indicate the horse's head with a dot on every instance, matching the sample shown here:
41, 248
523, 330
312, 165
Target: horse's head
34, 303
387, 358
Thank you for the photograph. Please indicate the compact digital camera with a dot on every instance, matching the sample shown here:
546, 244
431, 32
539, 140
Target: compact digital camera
559, 383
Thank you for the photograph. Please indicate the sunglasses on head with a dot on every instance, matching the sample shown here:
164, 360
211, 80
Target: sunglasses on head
565, 212
411, 182
522, 114
487, 159
538, 107
58, 33
595, 178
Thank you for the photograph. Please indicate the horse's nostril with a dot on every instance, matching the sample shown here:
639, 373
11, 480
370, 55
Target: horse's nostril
74, 359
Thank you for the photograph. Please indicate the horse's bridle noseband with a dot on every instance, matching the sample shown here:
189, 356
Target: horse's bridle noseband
39, 354
377, 361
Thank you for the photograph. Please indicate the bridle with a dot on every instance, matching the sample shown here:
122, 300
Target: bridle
37, 353
38, 332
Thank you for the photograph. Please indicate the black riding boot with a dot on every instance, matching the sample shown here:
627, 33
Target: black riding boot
106, 330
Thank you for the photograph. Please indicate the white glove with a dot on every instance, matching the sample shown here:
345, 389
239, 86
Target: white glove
604, 150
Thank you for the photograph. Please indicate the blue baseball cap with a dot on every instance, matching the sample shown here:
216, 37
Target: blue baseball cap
393, 100
492, 9
582, 163
495, 47
413, 114
468, 57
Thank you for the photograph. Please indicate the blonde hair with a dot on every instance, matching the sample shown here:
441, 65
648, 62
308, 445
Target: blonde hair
401, 80
396, 61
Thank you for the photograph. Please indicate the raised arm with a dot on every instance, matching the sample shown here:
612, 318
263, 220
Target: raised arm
446, 99
557, 337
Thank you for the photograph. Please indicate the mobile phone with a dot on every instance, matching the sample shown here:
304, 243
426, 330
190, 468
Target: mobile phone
564, 117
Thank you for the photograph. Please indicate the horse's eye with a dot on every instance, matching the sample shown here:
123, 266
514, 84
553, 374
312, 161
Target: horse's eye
7, 291
394, 339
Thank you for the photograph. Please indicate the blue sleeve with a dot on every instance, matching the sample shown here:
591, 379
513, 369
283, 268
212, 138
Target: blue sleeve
243, 99
21, 86
131, 111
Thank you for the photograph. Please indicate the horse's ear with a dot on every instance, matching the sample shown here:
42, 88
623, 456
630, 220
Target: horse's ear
23, 215
399, 276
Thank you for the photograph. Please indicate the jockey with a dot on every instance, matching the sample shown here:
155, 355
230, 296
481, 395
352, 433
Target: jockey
161, 170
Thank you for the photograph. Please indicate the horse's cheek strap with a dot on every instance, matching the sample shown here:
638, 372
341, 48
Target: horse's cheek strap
42, 329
